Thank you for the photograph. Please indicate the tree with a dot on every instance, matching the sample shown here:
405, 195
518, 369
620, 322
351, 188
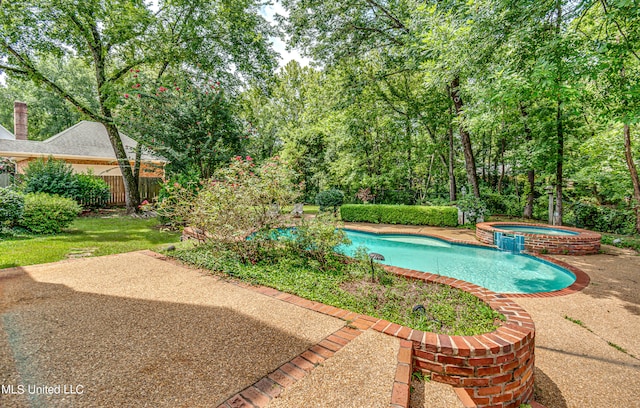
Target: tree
612, 27
49, 114
116, 36
193, 125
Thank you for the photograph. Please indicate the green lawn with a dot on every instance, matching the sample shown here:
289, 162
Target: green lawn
87, 236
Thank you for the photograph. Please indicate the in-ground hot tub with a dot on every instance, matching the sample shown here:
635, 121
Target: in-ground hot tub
540, 238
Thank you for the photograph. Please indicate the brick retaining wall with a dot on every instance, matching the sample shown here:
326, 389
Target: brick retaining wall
585, 243
496, 369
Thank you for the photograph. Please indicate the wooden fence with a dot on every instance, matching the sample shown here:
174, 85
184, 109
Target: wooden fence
149, 188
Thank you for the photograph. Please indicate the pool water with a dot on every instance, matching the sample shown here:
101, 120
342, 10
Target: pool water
535, 230
498, 271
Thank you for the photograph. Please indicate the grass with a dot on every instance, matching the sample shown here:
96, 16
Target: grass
348, 286
307, 209
87, 236
625, 241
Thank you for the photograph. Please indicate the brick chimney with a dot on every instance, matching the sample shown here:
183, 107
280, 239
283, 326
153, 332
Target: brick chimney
20, 120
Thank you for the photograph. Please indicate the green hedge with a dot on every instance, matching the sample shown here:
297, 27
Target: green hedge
400, 214
48, 214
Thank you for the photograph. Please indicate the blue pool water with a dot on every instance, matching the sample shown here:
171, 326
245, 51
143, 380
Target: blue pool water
535, 230
498, 271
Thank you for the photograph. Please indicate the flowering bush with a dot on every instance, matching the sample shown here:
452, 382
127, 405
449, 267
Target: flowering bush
238, 200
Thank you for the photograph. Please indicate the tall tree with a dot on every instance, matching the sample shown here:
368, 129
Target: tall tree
613, 30
116, 36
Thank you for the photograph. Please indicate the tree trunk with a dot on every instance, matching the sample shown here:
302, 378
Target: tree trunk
132, 194
557, 219
452, 174
633, 171
469, 160
531, 174
502, 170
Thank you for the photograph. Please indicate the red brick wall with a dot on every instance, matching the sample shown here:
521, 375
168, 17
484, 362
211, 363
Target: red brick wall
585, 243
496, 369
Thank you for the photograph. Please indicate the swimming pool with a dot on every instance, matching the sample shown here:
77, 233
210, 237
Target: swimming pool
498, 271
537, 230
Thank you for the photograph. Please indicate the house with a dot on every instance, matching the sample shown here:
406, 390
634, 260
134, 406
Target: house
5, 134
85, 146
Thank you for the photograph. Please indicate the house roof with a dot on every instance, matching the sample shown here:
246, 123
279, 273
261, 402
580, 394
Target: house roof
84, 140
5, 134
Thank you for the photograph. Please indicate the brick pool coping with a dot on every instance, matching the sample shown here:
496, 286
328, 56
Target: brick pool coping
585, 243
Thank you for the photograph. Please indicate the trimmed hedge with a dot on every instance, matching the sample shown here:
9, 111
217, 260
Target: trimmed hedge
48, 214
400, 214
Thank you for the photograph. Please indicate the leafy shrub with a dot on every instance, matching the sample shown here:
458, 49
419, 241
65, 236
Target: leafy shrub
178, 188
506, 204
11, 206
330, 199
400, 214
48, 214
237, 201
91, 191
56, 177
50, 176
317, 238
603, 219
474, 207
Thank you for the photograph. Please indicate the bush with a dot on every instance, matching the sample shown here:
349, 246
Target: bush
50, 176
330, 199
474, 207
56, 177
91, 191
11, 206
48, 214
505, 204
317, 238
400, 214
603, 219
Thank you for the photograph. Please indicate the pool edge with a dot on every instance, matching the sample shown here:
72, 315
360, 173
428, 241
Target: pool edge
581, 282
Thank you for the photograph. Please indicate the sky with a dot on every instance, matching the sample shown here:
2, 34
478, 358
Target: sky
278, 45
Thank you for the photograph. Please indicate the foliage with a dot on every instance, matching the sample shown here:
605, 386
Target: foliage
48, 214
91, 191
173, 192
330, 199
622, 241
603, 219
91, 236
506, 204
346, 285
7, 166
224, 39
238, 200
50, 176
364, 195
400, 214
474, 207
317, 239
53, 176
11, 206
191, 123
